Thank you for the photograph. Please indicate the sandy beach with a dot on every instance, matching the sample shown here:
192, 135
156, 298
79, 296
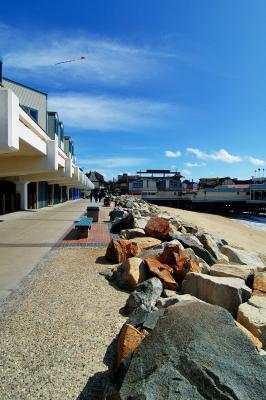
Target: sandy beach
232, 231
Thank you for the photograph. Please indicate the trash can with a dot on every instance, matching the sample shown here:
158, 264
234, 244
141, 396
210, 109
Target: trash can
93, 212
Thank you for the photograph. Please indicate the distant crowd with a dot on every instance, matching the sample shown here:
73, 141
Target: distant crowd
99, 196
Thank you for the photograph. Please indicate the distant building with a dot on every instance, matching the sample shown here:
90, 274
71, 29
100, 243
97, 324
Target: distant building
156, 180
122, 184
98, 180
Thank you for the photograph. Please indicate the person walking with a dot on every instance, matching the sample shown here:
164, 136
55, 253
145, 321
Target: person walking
96, 197
91, 196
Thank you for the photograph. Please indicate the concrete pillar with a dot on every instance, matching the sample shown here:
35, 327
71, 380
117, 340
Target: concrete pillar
22, 189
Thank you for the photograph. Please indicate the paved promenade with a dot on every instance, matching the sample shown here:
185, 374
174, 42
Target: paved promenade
26, 236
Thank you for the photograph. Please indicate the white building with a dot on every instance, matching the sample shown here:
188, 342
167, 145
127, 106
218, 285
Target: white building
37, 162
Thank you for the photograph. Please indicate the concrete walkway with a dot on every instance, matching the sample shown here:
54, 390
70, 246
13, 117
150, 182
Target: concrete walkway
26, 236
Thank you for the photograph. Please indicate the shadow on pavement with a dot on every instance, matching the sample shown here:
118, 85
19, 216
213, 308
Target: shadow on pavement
101, 383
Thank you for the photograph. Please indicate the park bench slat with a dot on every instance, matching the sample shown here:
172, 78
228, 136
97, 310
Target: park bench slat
84, 222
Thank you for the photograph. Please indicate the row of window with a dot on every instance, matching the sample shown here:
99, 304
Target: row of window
160, 185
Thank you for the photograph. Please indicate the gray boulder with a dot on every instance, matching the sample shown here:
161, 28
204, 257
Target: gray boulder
140, 222
245, 272
145, 295
195, 352
243, 257
228, 293
117, 213
176, 298
132, 233
210, 244
119, 224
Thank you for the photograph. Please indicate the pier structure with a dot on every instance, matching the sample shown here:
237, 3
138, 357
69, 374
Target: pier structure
222, 195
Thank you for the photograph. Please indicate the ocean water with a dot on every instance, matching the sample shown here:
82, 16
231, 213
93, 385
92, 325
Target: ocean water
255, 222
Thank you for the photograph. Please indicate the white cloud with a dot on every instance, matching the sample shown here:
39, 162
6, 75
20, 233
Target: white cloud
192, 165
34, 54
185, 172
112, 162
221, 155
256, 161
173, 154
104, 113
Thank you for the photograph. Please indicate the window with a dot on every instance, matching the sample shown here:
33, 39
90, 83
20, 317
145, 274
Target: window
138, 185
161, 185
174, 184
32, 112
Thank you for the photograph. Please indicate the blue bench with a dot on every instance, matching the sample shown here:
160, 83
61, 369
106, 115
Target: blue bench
82, 226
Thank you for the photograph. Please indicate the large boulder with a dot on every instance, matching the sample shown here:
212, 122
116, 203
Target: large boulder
117, 213
228, 293
128, 340
120, 250
132, 233
119, 224
146, 242
210, 244
245, 272
161, 271
140, 222
259, 285
243, 257
143, 319
252, 315
192, 242
130, 273
172, 252
182, 263
176, 298
157, 228
145, 295
195, 352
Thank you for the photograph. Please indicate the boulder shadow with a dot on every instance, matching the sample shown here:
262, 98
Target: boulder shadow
101, 385
102, 260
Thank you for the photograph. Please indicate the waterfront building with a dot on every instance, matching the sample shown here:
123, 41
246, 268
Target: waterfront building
37, 162
156, 182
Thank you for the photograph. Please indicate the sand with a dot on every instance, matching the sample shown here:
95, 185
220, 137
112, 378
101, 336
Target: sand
56, 329
232, 231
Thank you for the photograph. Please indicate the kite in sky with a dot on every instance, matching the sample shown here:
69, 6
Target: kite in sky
69, 61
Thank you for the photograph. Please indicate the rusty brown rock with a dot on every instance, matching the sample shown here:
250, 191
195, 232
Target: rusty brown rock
120, 250
128, 340
259, 285
171, 254
158, 228
161, 271
250, 335
184, 265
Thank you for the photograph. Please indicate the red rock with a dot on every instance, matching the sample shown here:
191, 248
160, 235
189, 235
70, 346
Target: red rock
120, 250
158, 228
129, 338
184, 265
161, 271
171, 254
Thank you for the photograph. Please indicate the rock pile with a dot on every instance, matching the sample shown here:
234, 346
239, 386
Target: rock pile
173, 269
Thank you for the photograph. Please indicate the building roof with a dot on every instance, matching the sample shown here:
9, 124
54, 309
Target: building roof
25, 86
95, 176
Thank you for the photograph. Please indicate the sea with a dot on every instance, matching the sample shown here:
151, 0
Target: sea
253, 221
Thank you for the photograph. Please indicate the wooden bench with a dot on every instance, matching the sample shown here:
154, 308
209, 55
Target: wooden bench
82, 226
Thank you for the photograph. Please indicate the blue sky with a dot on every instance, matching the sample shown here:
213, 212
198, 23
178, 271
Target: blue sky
166, 84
